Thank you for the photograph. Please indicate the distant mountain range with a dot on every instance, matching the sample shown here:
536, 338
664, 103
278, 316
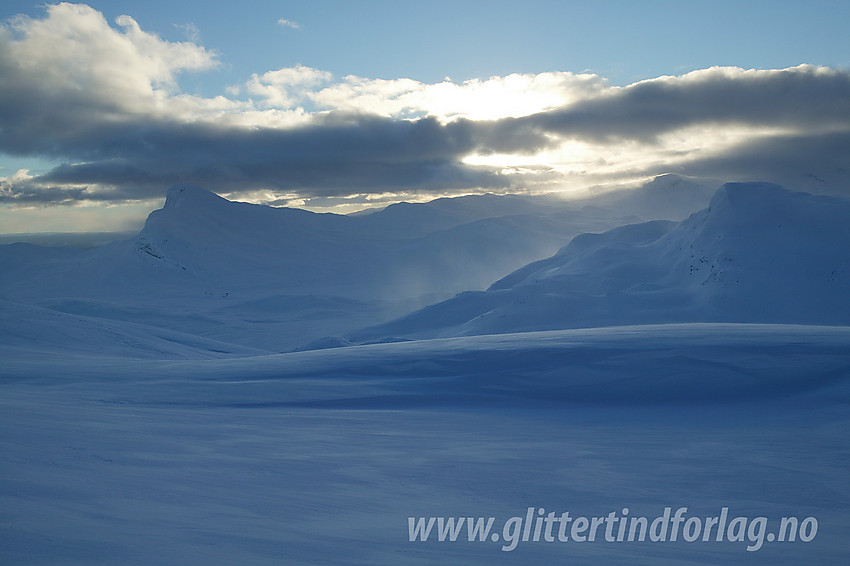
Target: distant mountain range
230, 277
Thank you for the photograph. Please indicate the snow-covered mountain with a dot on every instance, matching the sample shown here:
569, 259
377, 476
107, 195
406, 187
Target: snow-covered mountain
758, 253
278, 278
200, 239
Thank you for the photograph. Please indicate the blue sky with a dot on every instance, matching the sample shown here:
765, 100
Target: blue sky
491, 84
624, 41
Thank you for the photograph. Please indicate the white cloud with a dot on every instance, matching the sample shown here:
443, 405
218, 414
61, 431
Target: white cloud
16, 177
288, 87
75, 57
288, 23
497, 97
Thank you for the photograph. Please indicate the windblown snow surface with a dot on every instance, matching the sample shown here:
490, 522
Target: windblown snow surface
141, 425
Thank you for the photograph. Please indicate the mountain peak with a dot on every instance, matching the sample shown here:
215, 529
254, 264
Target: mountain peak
748, 194
179, 196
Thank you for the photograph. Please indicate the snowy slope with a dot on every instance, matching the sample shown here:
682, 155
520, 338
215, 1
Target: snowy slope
759, 253
33, 331
640, 365
321, 457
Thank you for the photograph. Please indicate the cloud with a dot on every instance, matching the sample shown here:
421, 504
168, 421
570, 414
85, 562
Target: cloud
286, 88
804, 97
23, 188
192, 32
288, 24
106, 100
497, 97
337, 155
67, 75
817, 161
